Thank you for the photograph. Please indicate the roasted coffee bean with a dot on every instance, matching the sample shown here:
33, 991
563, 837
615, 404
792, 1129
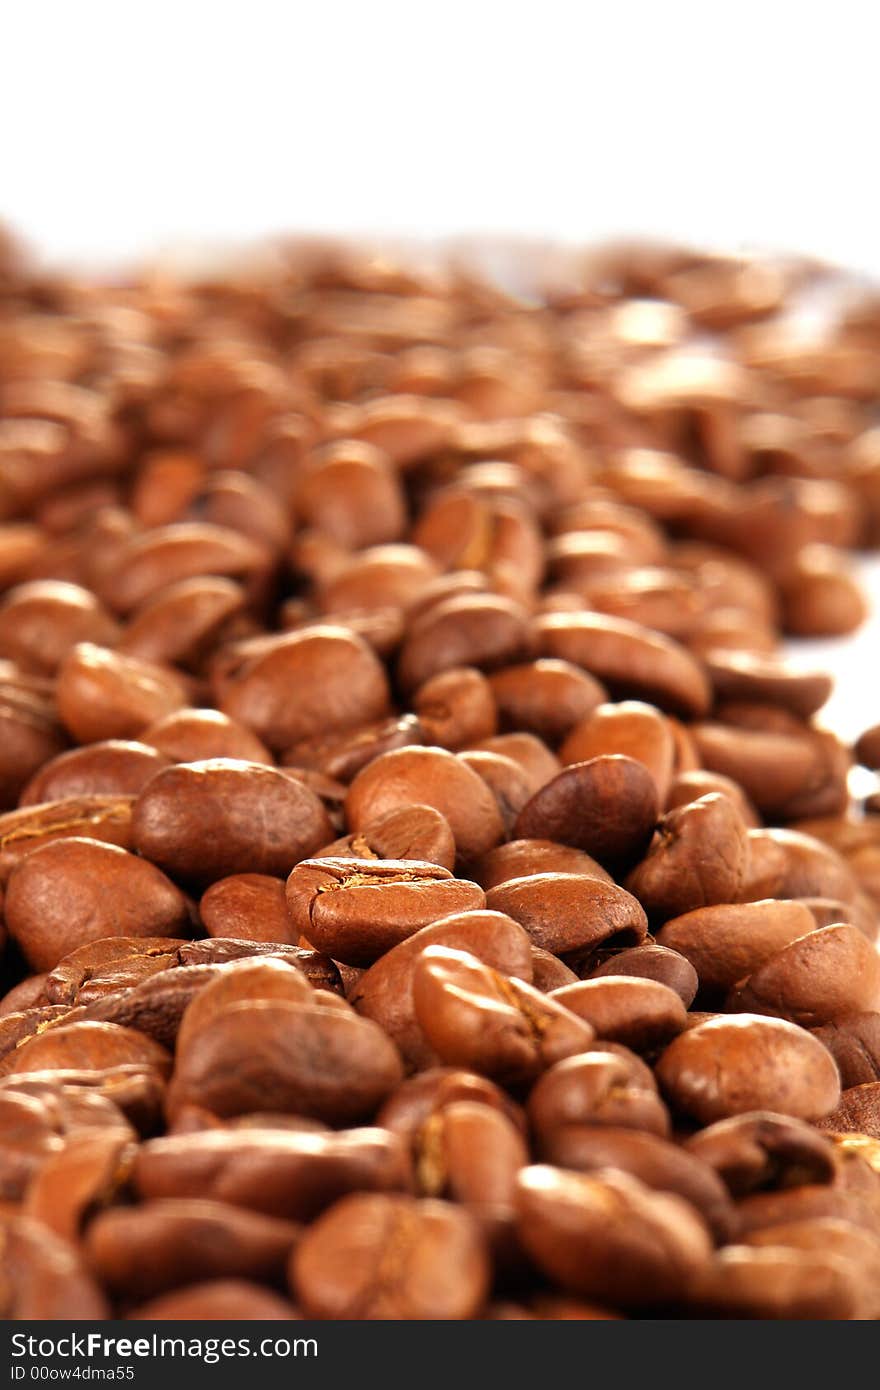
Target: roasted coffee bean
471, 1154
143, 1251
651, 961
205, 820
508, 782
38, 1119
691, 785
106, 818
251, 907
264, 978
521, 858
746, 1062
631, 729
377, 1256
292, 1173
858, 1111
610, 1237
601, 1087
339, 682
299, 1057
534, 757
607, 807
854, 1042
181, 623
758, 1151
408, 832
385, 992
698, 857
356, 910
547, 698
727, 942
570, 914
482, 630
868, 747
111, 768
456, 708
824, 1235
814, 980
431, 1090
102, 695
809, 1201
549, 972
431, 777
87, 1174
641, 1014
42, 620
69, 892
85, 1047
191, 735
656, 1162
16, 1027
765, 680
473, 1016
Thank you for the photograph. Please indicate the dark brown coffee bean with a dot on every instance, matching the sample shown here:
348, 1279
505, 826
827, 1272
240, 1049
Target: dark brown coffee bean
251, 907
746, 1062
547, 698
549, 972
145, 1250
216, 1300
610, 1237
475, 1017
105, 966
358, 909
601, 1087
191, 735
385, 992
697, 857
111, 768
270, 1055
291, 1173
408, 832
868, 747
88, 1173
631, 729
641, 1014
521, 858
726, 942
205, 820
570, 913
317, 968
16, 1027
431, 777
376, 1256
72, 891
339, 682
534, 757
471, 1154
423, 1095
102, 695
105, 818
760, 1151
482, 630
659, 1164
820, 977
854, 1042
651, 962
631, 660
607, 807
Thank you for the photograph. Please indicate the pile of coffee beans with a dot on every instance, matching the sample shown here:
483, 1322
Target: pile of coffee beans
427, 893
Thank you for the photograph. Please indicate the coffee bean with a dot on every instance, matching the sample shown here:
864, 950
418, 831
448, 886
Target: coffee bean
45, 1277
641, 1014
569, 913
745, 1062
631, 729
205, 820
377, 1256
252, 907
102, 695
858, 1111
111, 768
98, 817
72, 891
726, 942
192, 735
547, 698
607, 807
760, 1151
407, 832
697, 858
819, 977
357, 910
216, 1300
473, 1016
651, 961
610, 1236
521, 858
776, 1283
601, 1087
854, 1042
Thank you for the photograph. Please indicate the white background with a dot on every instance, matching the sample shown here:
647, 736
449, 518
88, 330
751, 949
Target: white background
127, 130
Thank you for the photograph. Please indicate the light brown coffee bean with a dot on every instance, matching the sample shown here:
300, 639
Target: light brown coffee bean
407, 832
41, 621
44, 1277
726, 942
191, 735
746, 1062
609, 1085
376, 1256
607, 807
216, 1300
251, 907
85, 1047
106, 818
475, 1017
455, 708
854, 1042
816, 979
777, 1282
570, 914
521, 858
698, 857
641, 1014
342, 754
547, 698
631, 728
110, 768
183, 622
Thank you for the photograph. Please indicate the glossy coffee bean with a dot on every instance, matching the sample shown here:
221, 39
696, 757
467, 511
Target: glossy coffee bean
407, 832
651, 961
726, 942
641, 1014
697, 857
103, 695
521, 858
191, 735
600, 1087
816, 979
607, 807
114, 767
205, 820
72, 891
251, 907
570, 914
